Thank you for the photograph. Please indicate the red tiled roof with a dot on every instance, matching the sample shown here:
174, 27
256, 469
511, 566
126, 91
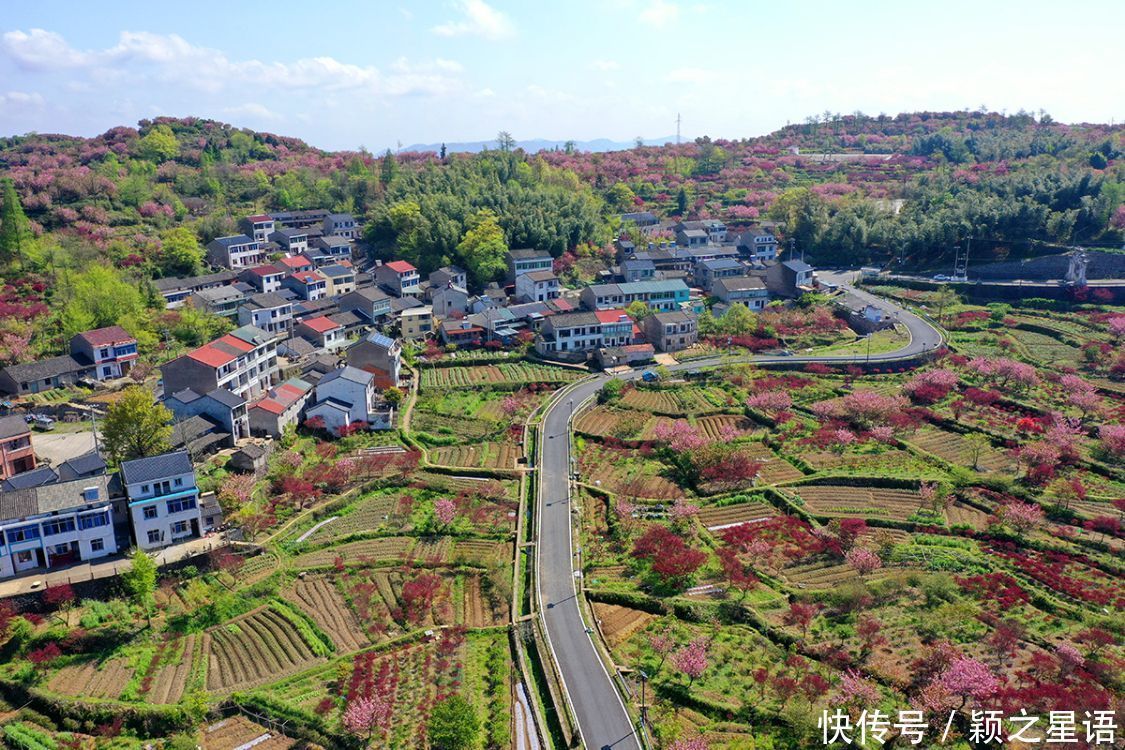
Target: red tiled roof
307, 277
400, 266
611, 316
270, 405
264, 271
259, 217
321, 324
209, 355
235, 343
297, 261
106, 336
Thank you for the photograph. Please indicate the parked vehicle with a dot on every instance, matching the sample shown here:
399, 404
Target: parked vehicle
649, 376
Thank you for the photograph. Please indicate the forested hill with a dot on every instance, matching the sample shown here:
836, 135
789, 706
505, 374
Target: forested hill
139, 203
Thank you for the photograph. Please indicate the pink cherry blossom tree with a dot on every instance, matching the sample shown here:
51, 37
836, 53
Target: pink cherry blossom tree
863, 560
1022, 517
970, 679
366, 714
691, 660
445, 511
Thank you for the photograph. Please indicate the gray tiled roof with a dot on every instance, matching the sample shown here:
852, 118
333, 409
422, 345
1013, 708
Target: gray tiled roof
45, 368
156, 467
11, 426
34, 478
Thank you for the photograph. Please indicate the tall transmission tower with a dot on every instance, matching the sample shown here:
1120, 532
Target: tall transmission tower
961, 262
677, 128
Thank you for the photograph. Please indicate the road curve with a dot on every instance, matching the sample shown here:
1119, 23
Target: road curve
603, 721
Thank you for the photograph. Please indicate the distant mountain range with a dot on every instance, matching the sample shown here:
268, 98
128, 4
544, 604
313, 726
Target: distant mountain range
540, 144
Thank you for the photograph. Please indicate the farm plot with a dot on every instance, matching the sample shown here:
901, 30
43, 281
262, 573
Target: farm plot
720, 517
472, 485
507, 373
473, 608
1046, 349
723, 426
960, 514
240, 732
619, 623
774, 469
318, 598
257, 568
859, 502
480, 552
256, 648
675, 402
625, 472
487, 455
885, 462
955, 449
368, 551
461, 428
379, 511
603, 421
170, 679
93, 680
819, 574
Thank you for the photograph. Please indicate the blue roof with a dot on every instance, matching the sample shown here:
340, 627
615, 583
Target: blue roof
156, 467
720, 264
381, 340
234, 239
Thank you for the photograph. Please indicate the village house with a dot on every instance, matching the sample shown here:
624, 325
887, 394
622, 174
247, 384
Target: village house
744, 290
291, 241
302, 219
526, 260
447, 275
112, 351
862, 316
641, 219
372, 303
265, 279
243, 361
43, 375
329, 249
398, 277
380, 355
218, 300
307, 285
757, 244
449, 300
16, 452
258, 227
341, 225
340, 278
268, 311
537, 286
609, 357
707, 272
294, 264
348, 397
462, 332
671, 331
55, 525
226, 410
177, 289
658, 295
706, 231
163, 499
416, 322
279, 408
790, 278
235, 252
569, 333
618, 329
637, 269
322, 332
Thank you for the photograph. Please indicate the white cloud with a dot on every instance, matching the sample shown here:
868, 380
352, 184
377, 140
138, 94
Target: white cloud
21, 100
170, 59
478, 19
605, 65
660, 13
253, 110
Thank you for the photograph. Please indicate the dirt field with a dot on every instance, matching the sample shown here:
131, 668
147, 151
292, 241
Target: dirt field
90, 681
320, 600
238, 731
261, 646
169, 680
618, 623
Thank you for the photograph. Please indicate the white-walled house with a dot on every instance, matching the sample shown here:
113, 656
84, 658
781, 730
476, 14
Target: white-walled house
56, 524
348, 396
163, 499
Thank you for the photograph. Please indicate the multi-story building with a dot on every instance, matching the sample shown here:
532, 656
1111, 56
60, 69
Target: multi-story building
177, 289
16, 453
218, 300
223, 408
258, 227
291, 241
163, 499
447, 275
55, 525
537, 286
265, 279
243, 361
295, 264
281, 407
341, 225
714, 232
398, 277
449, 300
757, 244
371, 302
329, 249
707, 272
526, 260
323, 332
618, 329
340, 278
112, 351
235, 252
658, 295
349, 397
744, 290
300, 219
308, 285
790, 278
671, 331
570, 333
380, 355
416, 322
270, 312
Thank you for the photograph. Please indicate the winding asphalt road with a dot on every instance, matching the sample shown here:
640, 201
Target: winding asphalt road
602, 719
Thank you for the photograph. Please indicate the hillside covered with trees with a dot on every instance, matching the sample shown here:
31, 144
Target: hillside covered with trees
88, 222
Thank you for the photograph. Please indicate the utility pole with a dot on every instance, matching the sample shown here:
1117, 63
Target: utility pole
677, 128
792, 243
961, 262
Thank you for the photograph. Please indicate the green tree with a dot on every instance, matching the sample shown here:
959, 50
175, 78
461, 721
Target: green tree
140, 581
453, 725
483, 249
136, 426
180, 254
97, 297
682, 201
159, 144
505, 142
638, 310
393, 396
804, 214
388, 168
621, 196
15, 235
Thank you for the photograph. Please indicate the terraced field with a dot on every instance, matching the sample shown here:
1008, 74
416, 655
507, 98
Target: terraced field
169, 680
487, 455
506, 373
603, 421
386, 549
954, 448
774, 469
719, 426
239, 733
92, 679
258, 647
677, 402
858, 502
619, 623
370, 515
480, 552
319, 599
720, 517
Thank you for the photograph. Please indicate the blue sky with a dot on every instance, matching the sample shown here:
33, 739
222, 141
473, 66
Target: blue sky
376, 74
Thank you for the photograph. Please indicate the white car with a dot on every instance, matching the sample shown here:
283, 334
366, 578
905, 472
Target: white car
941, 277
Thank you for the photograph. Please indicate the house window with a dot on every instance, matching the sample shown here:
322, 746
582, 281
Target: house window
144, 489
62, 549
93, 521
97, 545
178, 506
23, 557
149, 512
23, 533
59, 526
154, 536
179, 528
179, 483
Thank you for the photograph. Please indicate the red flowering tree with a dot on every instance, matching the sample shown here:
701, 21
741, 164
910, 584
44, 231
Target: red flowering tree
801, 615
669, 558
